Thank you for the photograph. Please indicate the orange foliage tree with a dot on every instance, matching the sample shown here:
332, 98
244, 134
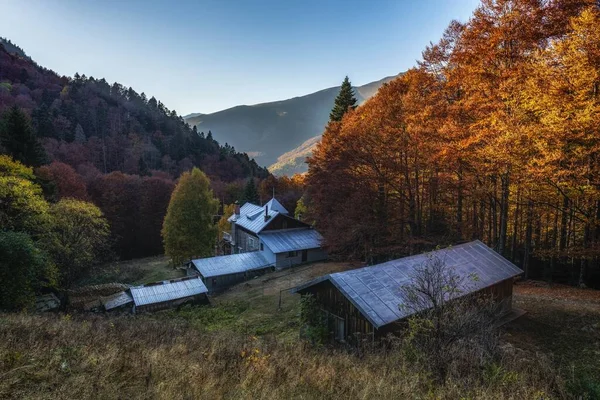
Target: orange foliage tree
493, 137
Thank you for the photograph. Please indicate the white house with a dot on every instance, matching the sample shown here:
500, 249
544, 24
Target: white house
270, 234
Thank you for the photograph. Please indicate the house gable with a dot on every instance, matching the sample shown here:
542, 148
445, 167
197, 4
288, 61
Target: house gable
281, 221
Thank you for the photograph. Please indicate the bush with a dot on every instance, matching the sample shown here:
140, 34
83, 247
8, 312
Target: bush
314, 324
24, 269
450, 332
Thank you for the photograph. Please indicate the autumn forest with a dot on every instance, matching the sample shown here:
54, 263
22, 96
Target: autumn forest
494, 136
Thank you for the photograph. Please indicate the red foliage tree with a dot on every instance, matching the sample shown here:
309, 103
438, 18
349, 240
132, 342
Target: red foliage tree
65, 181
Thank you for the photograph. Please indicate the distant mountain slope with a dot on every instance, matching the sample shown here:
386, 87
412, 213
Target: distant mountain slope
294, 161
266, 131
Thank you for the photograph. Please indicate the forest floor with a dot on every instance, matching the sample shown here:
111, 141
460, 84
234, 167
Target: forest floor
563, 324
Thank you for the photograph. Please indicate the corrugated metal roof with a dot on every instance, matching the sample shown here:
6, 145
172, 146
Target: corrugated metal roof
376, 290
276, 206
168, 290
247, 208
46, 302
230, 264
116, 300
291, 240
252, 217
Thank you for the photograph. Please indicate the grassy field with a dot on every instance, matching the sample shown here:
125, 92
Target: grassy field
247, 346
262, 306
133, 272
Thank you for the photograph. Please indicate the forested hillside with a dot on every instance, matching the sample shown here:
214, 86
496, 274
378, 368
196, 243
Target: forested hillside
109, 145
89, 121
494, 136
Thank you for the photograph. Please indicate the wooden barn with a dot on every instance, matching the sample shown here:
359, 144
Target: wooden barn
219, 273
367, 301
169, 294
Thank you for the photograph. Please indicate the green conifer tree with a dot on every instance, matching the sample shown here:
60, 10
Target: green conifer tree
343, 102
251, 193
19, 139
189, 230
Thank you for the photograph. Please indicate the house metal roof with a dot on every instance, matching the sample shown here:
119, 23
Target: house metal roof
276, 206
167, 290
230, 264
252, 217
376, 290
291, 240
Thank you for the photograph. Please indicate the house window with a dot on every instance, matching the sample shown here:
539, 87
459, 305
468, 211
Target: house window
292, 254
250, 243
262, 247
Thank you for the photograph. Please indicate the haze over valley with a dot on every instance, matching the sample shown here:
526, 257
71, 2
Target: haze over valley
279, 134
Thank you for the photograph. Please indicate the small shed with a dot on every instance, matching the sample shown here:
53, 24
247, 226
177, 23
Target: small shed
289, 247
117, 301
219, 273
367, 301
89, 298
168, 294
47, 302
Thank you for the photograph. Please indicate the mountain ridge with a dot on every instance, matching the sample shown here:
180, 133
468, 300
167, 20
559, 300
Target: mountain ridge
268, 131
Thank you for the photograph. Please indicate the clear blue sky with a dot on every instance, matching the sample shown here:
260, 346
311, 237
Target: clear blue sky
208, 55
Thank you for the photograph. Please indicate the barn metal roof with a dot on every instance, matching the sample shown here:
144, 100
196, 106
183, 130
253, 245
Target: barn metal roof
230, 264
167, 290
291, 240
376, 290
252, 217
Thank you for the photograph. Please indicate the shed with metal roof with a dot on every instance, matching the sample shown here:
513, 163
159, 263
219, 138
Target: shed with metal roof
121, 300
293, 246
368, 300
168, 294
221, 272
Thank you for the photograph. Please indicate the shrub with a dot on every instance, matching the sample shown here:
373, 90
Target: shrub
450, 331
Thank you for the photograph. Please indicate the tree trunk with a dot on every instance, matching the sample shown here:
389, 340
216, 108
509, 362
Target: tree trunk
504, 180
459, 202
528, 238
513, 244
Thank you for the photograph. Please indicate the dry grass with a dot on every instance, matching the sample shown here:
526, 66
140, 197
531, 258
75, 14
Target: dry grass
247, 348
133, 272
55, 356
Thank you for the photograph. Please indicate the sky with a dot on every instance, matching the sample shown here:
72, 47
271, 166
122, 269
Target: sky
209, 55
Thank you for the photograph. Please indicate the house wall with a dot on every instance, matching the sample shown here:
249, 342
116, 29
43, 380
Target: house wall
268, 254
198, 299
284, 261
337, 305
222, 282
245, 241
284, 222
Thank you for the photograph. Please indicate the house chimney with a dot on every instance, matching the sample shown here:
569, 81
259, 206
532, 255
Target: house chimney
266, 212
237, 208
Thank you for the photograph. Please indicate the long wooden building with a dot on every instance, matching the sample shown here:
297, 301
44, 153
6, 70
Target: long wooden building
367, 301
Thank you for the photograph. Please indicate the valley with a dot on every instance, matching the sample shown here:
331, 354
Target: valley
279, 134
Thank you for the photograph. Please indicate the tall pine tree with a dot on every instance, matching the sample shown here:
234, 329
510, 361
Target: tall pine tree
343, 102
251, 193
19, 139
